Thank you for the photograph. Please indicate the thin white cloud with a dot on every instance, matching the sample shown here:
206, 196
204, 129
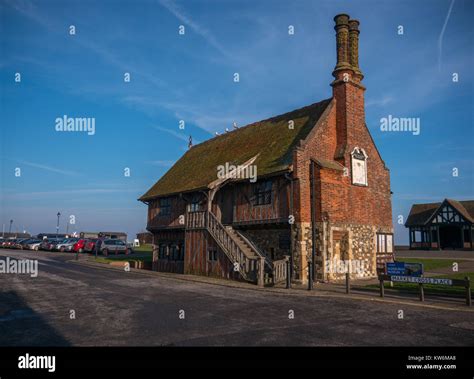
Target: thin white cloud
441, 35
379, 102
196, 27
69, 192
181, 136
30, 10
161, 163
212, 123
209, 121
431, 198
50, 168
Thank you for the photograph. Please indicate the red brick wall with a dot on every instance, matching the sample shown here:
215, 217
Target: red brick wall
320, 143
341, 129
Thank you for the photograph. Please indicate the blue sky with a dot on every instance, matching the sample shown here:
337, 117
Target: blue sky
190, 77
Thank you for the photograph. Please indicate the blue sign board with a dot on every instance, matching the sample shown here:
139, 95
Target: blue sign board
404, 269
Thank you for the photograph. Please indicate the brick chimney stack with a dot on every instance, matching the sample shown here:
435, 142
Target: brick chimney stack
342, 45
354, 48
347, 88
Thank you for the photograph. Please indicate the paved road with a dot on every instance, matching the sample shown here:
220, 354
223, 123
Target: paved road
125, 308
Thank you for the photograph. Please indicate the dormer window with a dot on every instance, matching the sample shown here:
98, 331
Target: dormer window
359, 167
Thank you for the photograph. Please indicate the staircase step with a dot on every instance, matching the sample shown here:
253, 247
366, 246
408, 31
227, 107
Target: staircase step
240, 238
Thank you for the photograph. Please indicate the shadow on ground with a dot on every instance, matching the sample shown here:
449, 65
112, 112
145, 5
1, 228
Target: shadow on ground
20, 325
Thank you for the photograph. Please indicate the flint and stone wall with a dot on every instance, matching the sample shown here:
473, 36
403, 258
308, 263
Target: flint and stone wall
358, 244
269, 240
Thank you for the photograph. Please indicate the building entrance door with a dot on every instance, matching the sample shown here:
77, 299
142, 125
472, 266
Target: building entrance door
450, 237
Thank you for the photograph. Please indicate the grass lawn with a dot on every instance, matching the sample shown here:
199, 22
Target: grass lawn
124, 258
431, 288
143, 253
431, 264
147, 248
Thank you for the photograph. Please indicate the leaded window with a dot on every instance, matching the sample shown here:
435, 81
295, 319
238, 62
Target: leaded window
164, 206
263, 193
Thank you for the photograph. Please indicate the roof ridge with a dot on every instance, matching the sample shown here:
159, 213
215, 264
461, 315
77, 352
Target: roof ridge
269, 119
270, 137
427, 211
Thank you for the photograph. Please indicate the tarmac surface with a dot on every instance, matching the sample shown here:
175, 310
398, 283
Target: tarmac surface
83, 304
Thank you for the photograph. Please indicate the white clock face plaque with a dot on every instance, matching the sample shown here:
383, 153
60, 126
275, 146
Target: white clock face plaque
359, 167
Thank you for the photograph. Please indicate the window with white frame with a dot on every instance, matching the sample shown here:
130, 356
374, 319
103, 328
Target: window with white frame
384, 243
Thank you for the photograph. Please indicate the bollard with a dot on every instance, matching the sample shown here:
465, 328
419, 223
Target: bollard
348, 284
288, 274
382, 288
261, 272
422, 292
310, 276
468, 291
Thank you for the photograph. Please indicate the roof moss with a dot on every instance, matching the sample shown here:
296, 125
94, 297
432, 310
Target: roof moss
272, 140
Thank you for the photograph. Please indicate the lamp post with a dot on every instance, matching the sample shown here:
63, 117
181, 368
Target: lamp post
57, 225
10, 229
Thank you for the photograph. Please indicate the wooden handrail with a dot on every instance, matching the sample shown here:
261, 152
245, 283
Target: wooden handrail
196, 220
279, 271
247, 266
257, 250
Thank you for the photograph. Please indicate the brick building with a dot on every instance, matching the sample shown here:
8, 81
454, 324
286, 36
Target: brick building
145, 238
321, 195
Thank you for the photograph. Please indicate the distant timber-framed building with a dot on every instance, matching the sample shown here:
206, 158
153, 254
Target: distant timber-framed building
445, 225
321, 196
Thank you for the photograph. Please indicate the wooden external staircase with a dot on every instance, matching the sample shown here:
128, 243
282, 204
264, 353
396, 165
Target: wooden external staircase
253, 265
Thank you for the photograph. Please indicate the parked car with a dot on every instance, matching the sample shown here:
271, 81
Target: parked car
64, 245
43, 245
78, 247
17, 244
48, 244
113, 246
33, 244
90, 245
23, 243
8, 243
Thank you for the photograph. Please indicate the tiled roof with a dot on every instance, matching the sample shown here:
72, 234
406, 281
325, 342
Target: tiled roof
420, 214
272, 140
